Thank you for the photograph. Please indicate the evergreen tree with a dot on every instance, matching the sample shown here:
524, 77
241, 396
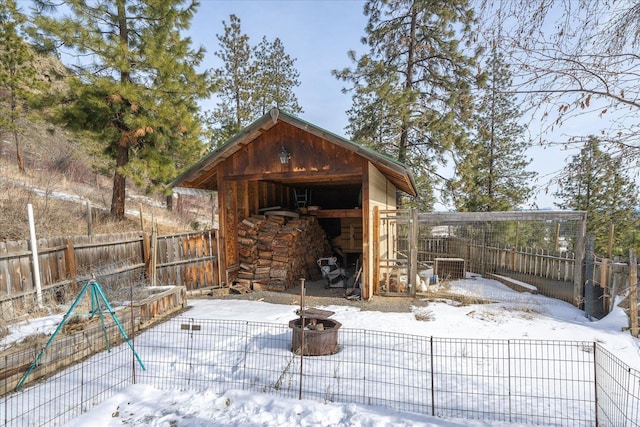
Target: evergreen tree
412, 90
491, 168
234, 109
596, 183
17, 74
275, 78
253, 78
136, 86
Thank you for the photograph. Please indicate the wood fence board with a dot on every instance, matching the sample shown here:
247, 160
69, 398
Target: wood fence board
5, 282
47, 271
174, 249
23, 269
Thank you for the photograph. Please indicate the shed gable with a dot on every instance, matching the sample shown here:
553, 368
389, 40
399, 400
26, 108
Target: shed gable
311, 157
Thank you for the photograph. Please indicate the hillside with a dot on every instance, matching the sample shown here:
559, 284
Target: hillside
59, 182
63, 172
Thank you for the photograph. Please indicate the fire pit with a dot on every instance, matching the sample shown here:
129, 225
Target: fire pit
320, 336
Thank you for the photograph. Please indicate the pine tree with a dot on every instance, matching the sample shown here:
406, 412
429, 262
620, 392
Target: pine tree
491, 170
234, 109
597, 183
136, 87
411, 91
17, 74
254, 78
275, 78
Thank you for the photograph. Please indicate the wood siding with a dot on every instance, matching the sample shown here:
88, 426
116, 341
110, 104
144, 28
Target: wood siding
310, 156
381, 197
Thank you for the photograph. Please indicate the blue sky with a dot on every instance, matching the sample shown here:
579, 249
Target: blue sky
317, 33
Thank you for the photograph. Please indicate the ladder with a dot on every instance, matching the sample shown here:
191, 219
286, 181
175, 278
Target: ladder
302, 197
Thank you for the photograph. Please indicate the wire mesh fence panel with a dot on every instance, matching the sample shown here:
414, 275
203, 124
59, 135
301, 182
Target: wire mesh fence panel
618, 391
531, 382
371, 368
471, 379
551, 382
268, 361
61, 397
121, 281
185, 353
397, 371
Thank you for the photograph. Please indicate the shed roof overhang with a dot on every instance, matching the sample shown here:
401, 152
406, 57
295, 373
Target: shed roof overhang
203, 174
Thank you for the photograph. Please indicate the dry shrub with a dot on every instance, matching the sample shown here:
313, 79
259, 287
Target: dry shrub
55, 217
424, 315
36, 340
443, 294
75, 324
529, 311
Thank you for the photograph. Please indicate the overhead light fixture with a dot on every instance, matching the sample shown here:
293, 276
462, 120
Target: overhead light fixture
284, 155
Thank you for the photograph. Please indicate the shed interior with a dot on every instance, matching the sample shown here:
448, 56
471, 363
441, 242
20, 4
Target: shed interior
337, 206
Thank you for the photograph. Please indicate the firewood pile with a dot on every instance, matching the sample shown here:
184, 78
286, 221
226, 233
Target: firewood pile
278, 249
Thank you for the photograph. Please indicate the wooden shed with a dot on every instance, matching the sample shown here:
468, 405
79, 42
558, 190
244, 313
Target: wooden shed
283, 161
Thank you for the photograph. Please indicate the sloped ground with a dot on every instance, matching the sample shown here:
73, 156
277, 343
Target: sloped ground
59, 180
64, 171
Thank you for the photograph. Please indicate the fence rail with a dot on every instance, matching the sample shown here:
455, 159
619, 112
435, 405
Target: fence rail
555, 383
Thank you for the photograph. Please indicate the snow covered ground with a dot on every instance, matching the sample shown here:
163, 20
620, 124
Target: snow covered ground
513, 316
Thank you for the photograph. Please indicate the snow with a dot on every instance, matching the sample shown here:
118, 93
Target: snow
511, 315
141, 405
40, 326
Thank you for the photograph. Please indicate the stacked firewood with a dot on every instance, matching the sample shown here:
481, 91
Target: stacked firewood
276, 250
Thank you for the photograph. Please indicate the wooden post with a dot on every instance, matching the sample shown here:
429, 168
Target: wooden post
484, 249
579, 249
588, 277
604, 284
218, 256
70, 260
154, 252
556, 245
34, 255
633, 293
512, 258
375, 242
89, 222
141, 218
517, 233
146, 253
413, 262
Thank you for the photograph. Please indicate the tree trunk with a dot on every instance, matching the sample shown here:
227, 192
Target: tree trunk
19, 156
16, 137
122, 155
406, 120
119, 182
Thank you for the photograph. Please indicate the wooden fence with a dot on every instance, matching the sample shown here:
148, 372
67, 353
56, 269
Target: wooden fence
537, 262
188, 259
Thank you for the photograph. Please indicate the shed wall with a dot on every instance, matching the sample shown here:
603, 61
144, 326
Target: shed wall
382, 194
